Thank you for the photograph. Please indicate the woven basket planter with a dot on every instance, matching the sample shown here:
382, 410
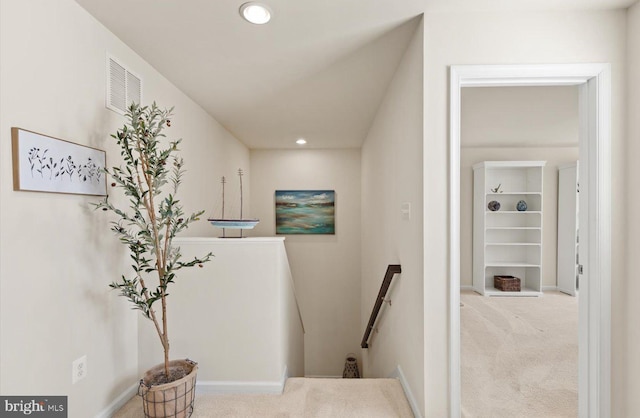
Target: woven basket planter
174, 399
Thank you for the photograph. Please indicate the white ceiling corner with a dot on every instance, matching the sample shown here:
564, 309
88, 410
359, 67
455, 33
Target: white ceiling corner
318, 69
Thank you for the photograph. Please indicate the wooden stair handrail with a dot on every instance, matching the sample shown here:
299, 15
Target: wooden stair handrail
392, 269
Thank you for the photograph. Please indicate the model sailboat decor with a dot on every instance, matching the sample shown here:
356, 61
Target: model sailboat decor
239, 223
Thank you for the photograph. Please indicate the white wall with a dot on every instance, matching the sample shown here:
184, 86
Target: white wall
517, 123
629, 365
391, 175
325, 268
511, 38
57, 255
519, 117
235, 316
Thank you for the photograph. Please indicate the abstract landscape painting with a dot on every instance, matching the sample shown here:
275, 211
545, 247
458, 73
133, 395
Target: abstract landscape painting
305, 212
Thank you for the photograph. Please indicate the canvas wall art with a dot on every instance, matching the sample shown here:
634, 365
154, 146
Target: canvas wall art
45, 164
305, 212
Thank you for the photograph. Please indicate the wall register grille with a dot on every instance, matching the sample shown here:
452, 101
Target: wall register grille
123, 87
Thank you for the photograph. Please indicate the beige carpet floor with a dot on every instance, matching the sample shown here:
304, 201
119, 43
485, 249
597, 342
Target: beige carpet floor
347, 398
519, 356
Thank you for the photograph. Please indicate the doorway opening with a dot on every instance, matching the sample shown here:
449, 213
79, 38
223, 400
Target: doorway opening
515, 142
593, 81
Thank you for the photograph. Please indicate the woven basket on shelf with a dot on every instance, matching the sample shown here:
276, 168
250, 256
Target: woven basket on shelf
506, 283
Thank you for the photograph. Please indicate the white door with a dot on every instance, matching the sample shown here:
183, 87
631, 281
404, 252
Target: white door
568, 233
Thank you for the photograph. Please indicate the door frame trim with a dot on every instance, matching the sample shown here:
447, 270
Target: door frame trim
594, 83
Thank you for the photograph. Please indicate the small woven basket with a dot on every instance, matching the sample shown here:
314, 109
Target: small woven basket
506, 283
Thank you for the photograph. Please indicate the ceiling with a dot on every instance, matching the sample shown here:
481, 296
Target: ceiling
318, 70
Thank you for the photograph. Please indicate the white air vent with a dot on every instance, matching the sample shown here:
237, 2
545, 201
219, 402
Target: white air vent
123, 87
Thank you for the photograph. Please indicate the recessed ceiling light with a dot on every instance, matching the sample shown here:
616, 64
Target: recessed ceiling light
301, 141
256, 13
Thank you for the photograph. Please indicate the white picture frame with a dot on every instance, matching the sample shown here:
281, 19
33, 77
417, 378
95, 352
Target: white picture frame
42, 163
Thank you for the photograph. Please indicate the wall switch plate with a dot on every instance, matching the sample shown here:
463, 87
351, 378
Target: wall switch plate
405, 211
79, 369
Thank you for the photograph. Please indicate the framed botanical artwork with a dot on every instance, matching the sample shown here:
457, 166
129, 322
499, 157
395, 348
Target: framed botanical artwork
42, 163
305, 212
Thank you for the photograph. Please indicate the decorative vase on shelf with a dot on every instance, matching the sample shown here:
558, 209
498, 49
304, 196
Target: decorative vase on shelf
521, 206
494, 205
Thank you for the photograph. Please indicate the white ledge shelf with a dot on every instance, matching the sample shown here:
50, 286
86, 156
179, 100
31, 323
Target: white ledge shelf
528, 228
512, 243
509, 264
492, 291
513, 211
226, 241
513, 193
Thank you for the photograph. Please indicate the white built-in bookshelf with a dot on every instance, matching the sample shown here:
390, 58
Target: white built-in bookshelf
507, 241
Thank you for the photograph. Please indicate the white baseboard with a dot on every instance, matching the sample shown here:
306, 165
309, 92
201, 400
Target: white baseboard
119, 402
397, 374
321, 376
218, 387
206, 387
466, 287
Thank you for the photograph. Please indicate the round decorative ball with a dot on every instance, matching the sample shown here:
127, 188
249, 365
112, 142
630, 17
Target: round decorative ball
521, 205
494, 206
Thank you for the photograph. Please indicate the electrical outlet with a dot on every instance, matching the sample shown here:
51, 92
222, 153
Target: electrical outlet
78, 369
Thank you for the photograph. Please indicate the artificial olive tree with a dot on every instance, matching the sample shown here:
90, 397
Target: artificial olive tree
149, 178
